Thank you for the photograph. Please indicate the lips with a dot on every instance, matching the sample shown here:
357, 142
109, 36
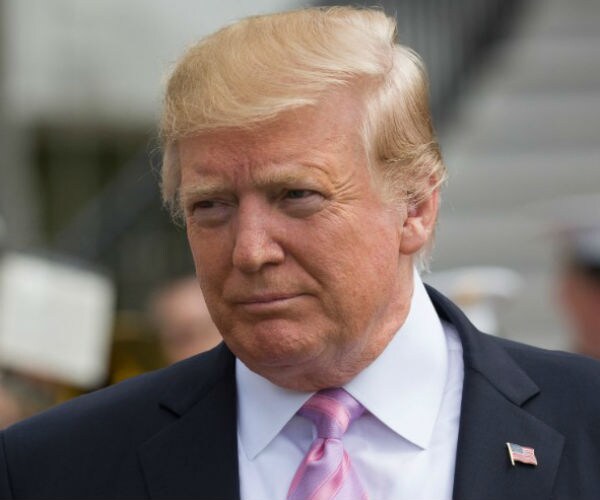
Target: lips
267, 303
266, 298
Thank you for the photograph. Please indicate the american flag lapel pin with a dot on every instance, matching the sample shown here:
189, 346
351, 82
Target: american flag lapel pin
523, 454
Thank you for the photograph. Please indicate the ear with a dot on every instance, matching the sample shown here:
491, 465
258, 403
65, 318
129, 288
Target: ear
419, 224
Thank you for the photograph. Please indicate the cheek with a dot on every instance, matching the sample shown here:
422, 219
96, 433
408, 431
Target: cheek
346, 251
356, 279
210, 260
369, 265
207, 246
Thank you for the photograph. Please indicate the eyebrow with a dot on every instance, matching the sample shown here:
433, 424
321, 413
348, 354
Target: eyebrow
210, 185
285, 177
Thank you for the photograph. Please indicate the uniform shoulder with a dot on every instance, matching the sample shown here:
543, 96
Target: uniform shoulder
122, 404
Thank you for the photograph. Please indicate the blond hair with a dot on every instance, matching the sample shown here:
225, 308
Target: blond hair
253, 70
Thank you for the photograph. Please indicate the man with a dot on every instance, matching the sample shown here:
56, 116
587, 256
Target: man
300, 153
182, 320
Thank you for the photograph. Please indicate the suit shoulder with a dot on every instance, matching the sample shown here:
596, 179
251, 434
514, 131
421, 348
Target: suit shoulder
547, 360
88, 447
569, 379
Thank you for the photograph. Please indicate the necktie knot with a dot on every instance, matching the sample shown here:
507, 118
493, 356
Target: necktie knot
326, 472
331, 411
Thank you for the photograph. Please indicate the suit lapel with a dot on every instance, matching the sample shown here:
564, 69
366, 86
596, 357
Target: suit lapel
495, 395
483, 468
196, 455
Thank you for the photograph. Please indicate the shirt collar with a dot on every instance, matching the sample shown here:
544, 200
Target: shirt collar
258, 397
403, 387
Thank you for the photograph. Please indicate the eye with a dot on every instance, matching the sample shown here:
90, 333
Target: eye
204, 204
209, 212
301, 202
298, 194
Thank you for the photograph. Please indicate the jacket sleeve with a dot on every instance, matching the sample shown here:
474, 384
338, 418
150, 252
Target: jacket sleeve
5, 489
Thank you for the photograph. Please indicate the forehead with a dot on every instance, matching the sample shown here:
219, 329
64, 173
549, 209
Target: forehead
315, 133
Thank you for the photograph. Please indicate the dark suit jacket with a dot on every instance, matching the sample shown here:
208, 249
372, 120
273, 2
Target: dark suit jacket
172, 433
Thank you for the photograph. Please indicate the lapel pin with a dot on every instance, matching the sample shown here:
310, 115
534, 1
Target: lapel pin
522, 454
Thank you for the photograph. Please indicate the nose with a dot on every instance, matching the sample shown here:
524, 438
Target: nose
255, 245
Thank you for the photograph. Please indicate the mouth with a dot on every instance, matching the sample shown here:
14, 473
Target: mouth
267, 302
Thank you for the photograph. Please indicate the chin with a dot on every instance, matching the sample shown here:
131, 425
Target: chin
283, 365
274, 357
276, 342
308, 379
298, 370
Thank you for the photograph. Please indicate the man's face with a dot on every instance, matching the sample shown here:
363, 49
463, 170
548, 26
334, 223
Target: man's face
302, 266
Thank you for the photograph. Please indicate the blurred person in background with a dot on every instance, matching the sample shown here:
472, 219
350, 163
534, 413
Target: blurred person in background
181, 318
10, 407
23, 395
11, 410
299, 150
579, 287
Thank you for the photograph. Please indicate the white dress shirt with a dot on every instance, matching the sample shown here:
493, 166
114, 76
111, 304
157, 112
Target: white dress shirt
403, 447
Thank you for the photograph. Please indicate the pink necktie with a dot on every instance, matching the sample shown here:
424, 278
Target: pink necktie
326, 472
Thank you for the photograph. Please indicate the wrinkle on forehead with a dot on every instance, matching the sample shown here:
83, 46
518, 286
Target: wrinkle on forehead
305, 137
263, 147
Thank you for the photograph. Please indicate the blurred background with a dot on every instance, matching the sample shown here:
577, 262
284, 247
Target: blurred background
87, 253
